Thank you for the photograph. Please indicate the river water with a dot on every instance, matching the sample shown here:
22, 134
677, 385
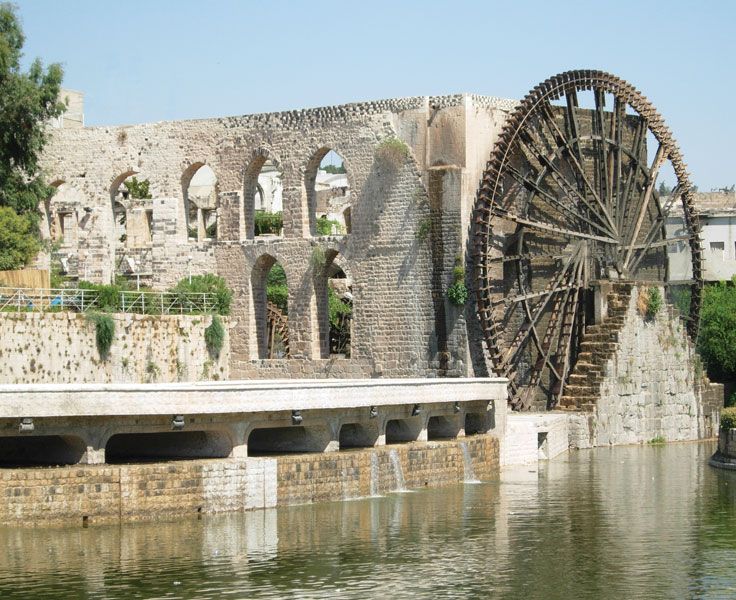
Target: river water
629, 522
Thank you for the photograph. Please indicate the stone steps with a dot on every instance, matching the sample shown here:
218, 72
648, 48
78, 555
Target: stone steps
598, 345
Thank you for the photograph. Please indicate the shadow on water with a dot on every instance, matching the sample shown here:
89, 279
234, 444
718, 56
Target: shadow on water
654, 522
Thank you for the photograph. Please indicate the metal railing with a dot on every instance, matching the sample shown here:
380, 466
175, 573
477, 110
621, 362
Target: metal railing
80, 300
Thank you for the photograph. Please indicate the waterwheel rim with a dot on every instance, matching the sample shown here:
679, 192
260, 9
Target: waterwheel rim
569, 197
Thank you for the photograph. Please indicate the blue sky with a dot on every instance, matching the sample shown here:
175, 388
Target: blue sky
140, 61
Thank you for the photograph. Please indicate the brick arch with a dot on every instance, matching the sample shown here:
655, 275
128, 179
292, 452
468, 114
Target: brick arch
258, 158
309, 193
118, 180
259, 303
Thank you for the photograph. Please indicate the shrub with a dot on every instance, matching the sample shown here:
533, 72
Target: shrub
104, 332
277, 291
19, 241
717, 340
267, 222
457, 292
728, 418
324, 226
138, 189
392, 152
338, 310
425, 226
108, 295
214, 336
654, 302
207, 284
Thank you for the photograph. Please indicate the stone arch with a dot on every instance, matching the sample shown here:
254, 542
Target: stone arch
264, 327
252, 187
332, 338
200, 205
318, 201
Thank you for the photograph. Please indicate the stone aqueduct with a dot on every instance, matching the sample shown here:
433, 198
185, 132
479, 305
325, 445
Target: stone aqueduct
410, 213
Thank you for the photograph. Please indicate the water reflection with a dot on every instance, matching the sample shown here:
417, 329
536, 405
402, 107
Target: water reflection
652, 522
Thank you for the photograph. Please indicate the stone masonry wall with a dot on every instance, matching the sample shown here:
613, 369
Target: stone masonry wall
104, 493
399, 254
61, 348
652, 387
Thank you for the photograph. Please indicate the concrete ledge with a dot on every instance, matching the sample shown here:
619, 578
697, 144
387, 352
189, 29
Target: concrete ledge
89, 400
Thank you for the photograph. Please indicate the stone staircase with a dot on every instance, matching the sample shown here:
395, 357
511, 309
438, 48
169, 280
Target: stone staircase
598, 345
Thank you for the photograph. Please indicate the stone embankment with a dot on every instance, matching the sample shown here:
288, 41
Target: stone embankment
88, 494
638, 379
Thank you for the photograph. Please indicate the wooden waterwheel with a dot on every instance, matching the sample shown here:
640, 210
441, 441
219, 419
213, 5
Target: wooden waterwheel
569, 198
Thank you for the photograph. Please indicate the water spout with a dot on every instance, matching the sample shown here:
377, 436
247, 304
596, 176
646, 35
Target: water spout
469, 471
398, 472
374, 474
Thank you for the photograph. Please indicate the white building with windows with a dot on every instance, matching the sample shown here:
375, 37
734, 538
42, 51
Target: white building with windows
718, 221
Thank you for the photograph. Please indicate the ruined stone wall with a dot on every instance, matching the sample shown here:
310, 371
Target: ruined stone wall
61, 348
400, 252
653, 387
66, 495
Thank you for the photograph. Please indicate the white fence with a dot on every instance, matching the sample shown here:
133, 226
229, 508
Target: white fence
79, 300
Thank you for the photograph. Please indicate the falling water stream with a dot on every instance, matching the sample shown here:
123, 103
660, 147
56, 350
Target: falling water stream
469, 471
398, 471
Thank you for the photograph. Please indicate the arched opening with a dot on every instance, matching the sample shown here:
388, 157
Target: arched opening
399, 431
200, 202
475, 423
263, 190
327, 193
270, 309
443, 427
334, 298
63, 214
167, 445
355, 435
132, 213
281, 440
41, 450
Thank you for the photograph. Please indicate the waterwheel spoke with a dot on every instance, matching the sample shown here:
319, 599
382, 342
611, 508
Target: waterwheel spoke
556, 202
657, 163
572, 146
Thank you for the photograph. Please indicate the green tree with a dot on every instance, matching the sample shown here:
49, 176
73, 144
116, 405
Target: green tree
27, 101
19, 241
138, 189
717, 340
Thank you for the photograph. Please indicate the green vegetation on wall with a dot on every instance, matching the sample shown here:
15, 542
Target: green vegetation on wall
138, 189
325, 225
457, 292
104, 332
214, 336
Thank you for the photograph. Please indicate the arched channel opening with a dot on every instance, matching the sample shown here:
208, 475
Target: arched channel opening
399, 431
355, 435
440, 427
41, 450
285, 440
167, 445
